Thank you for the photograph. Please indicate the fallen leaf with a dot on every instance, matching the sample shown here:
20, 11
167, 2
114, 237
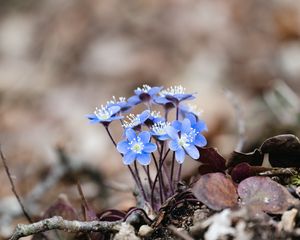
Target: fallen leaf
216, 191
264, 194
212, 159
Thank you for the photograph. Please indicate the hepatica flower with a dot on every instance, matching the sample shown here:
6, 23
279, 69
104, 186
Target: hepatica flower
105, 115
184, 139
136, 147
159, 130
135, 121
121, 102
174, 94
144, 94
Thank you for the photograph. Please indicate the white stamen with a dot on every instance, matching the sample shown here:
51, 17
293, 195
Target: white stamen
183, 141
193, 109
137, 146
133, 120
155, 114
160, 128
145, 88
114, 100
172, 91
103, 113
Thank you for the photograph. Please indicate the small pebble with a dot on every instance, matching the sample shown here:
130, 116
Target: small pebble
145, 231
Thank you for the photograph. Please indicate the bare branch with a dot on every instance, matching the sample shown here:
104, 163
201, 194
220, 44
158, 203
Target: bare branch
58, 223
13, 187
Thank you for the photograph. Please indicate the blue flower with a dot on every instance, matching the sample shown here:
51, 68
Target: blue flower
187, 109
121, 102
144, 94
173, 95
184, 139
136, 147
135, 121
159, 130
154, 117
105, 115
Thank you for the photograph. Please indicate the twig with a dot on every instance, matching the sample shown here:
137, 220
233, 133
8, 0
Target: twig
180, 234
58, 223
13, 187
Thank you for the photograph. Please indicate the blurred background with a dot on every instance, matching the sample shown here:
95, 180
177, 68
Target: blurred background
60, 59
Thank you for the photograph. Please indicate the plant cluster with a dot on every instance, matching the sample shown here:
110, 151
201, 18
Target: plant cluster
150, 137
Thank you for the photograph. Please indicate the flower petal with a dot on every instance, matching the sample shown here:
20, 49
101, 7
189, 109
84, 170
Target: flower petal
93, 118
144, 159
144, 116
177, 125
200, 140
145, 136
114, 110
134, 100
200, 126
172, 132
192, 118
179, 155
192, 151
129, 158
173, 145
154, 90
130, 134
186, 126
123, 147
149, 147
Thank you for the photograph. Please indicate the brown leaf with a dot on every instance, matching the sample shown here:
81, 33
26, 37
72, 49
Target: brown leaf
216, 191
209, 156
254, 158
264, 194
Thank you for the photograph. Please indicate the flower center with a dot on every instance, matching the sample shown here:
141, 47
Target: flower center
183, 141
102, 113
137, 147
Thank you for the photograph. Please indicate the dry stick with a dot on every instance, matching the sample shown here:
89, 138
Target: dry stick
58, 223
13, 187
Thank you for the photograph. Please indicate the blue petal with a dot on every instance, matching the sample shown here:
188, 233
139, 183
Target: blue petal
172, 132
192, 151
145, 136
200, 126
192, 118
161, 100
123, 147
114, 109
179, 155
130, 134
134, 100
173, 145
129, 158
144, 159
177, 125
93, 118
149, 147
200, 140
186, 126
154, 90
163, 137
116, 118
144, 116
138, 91
182, 97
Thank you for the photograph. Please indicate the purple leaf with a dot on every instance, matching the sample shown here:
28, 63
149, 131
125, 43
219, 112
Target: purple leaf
264, 194
216, 191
